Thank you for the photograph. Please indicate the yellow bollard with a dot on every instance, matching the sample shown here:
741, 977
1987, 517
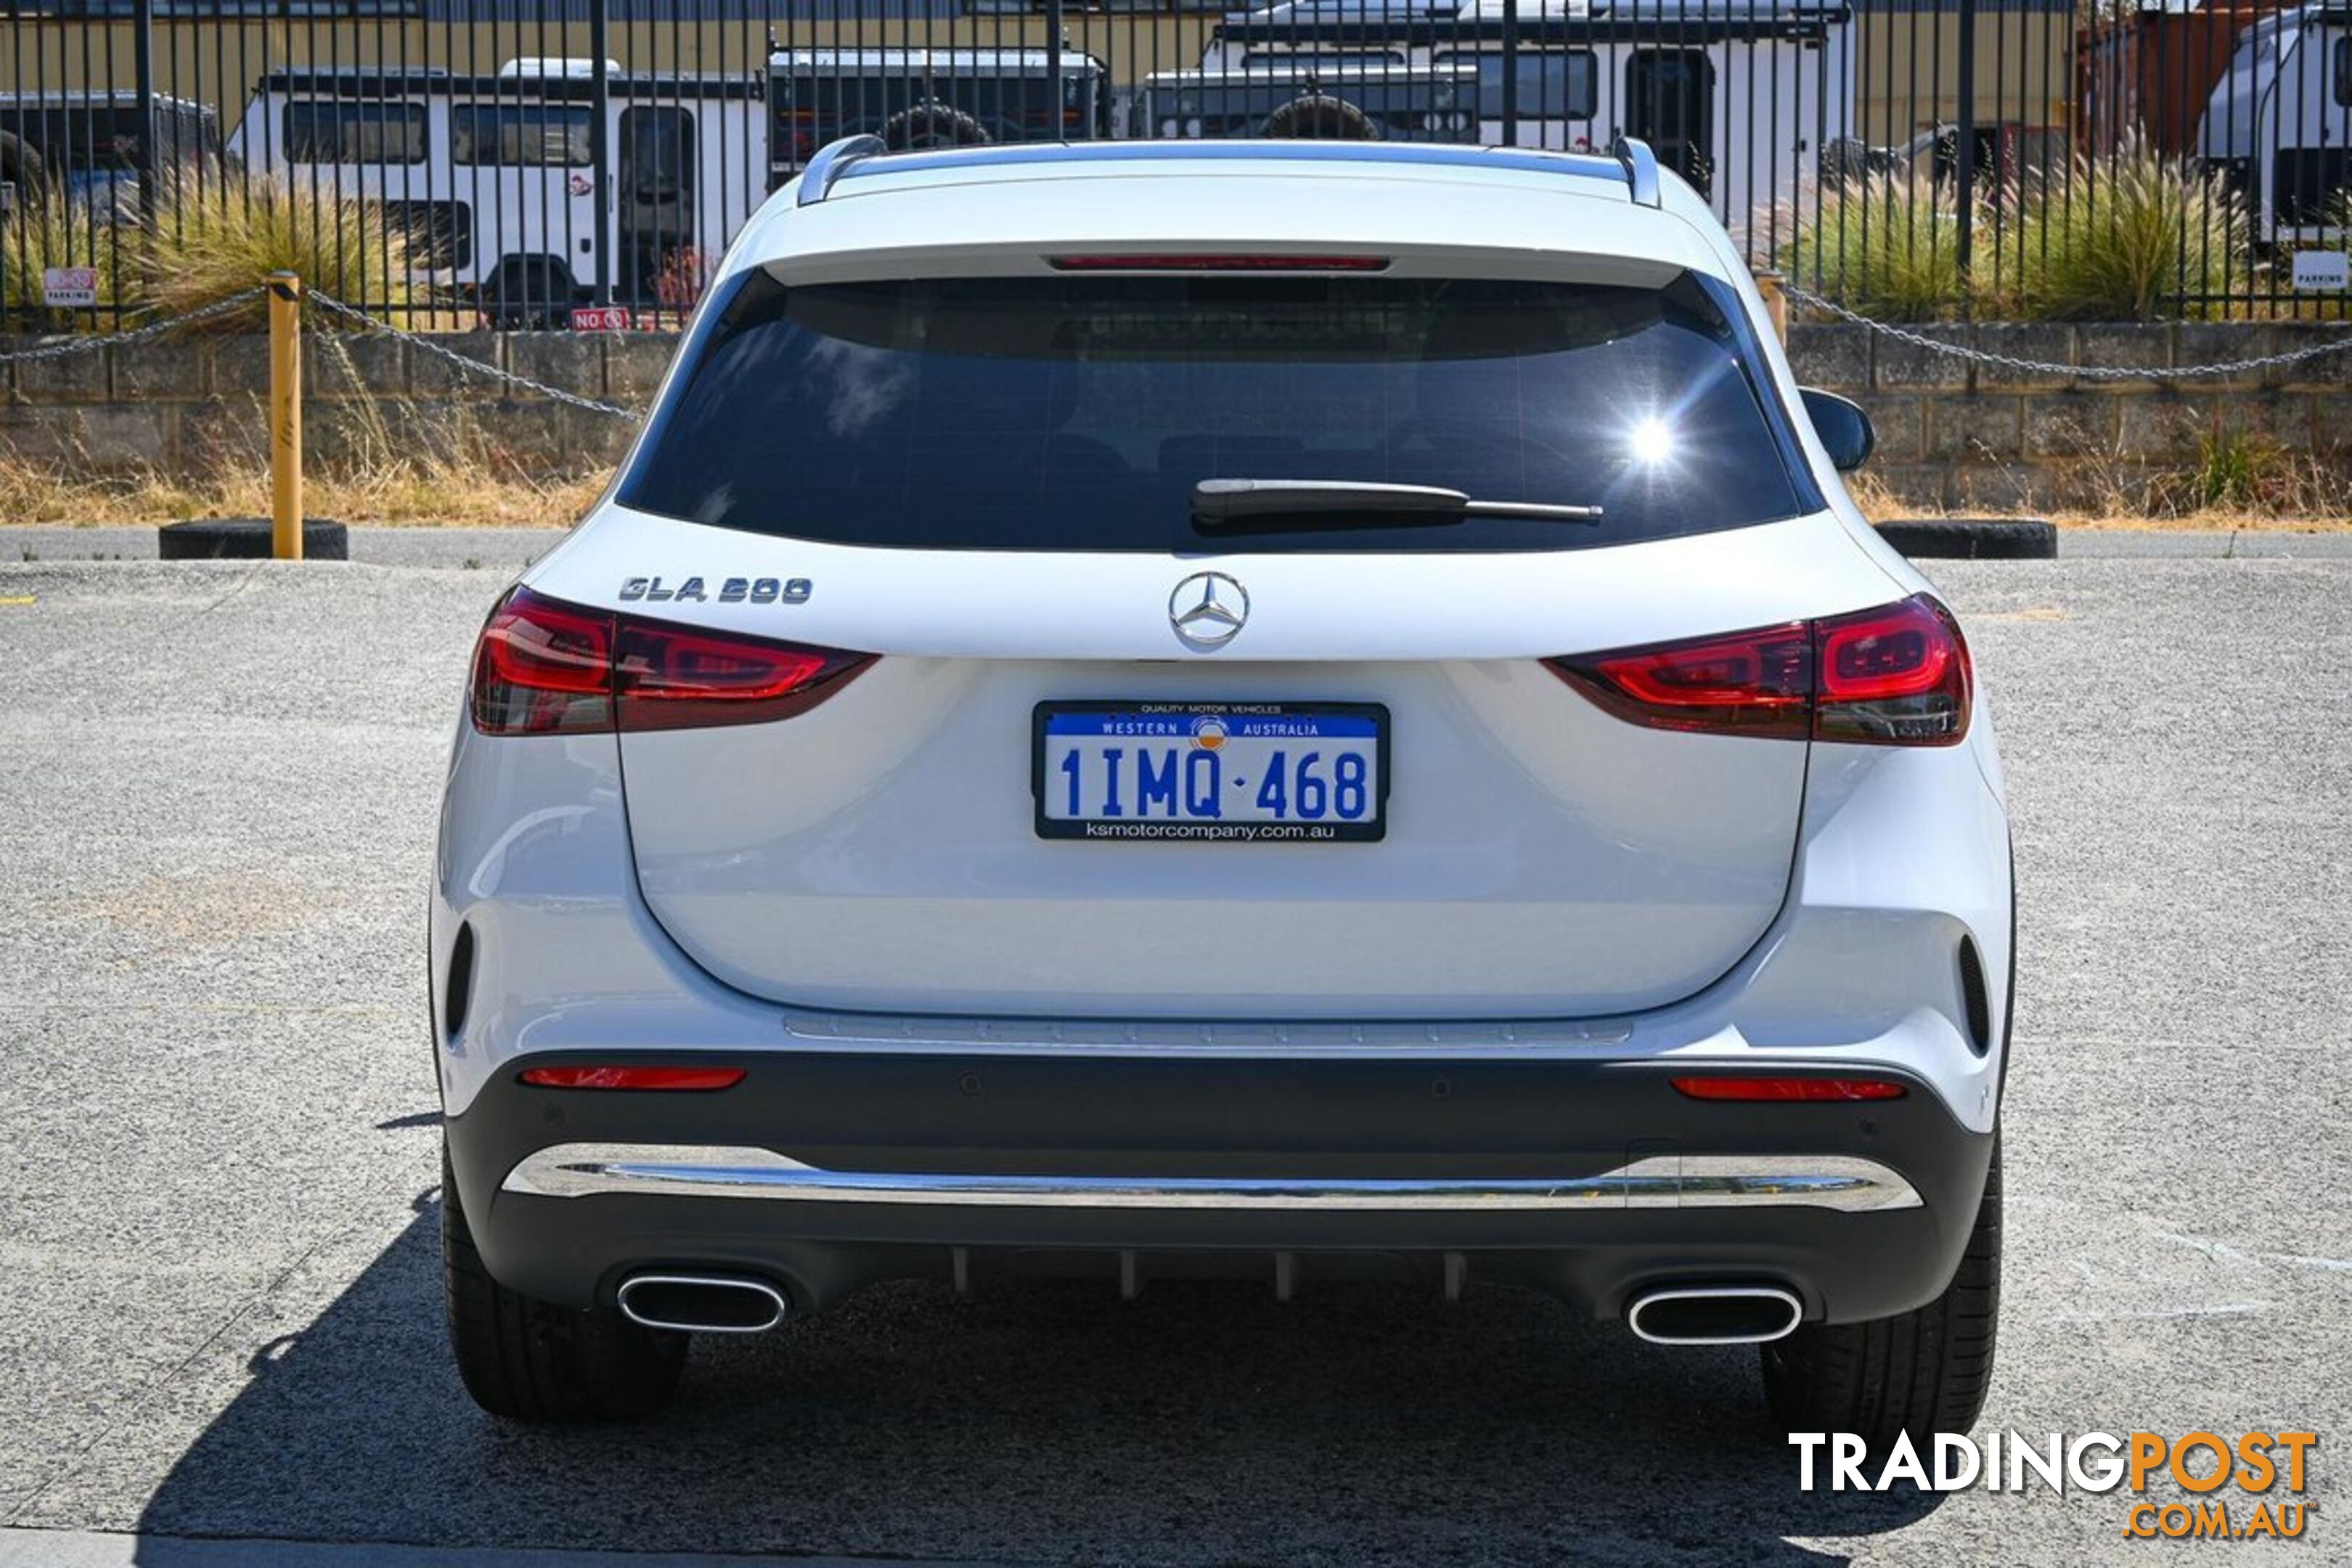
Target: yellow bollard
1776, 303
286, 416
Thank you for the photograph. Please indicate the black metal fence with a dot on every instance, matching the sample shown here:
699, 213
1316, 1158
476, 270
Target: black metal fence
583, 162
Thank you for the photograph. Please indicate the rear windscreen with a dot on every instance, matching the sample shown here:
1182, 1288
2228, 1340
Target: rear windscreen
1078, 412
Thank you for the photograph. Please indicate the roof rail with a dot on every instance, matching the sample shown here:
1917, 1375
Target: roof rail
1641, 167
831, 161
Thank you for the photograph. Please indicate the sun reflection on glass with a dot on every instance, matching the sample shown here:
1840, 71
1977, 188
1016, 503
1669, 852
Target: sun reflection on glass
1651, 441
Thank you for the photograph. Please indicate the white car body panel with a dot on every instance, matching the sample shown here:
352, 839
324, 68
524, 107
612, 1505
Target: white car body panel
1543, 857
1005, 217
1855, 973
864, 878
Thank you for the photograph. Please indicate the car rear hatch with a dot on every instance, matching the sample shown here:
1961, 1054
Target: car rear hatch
1409, 814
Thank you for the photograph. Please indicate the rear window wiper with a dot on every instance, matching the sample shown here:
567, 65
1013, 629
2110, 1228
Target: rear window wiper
1349, 503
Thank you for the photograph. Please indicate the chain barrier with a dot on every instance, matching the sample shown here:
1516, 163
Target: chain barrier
2048, 367
470, 365
92, 343
67, 348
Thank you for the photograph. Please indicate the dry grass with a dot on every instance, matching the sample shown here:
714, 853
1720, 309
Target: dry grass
37, 236
409, 492
211, 248
1886, 245
433, 491
372, 461
2122, 234
2119, 237
2295, 493
210, 243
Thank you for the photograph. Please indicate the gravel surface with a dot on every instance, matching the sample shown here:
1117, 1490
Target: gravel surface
219, 1270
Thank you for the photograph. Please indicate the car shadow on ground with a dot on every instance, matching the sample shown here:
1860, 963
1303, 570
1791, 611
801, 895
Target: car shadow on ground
1038, 1423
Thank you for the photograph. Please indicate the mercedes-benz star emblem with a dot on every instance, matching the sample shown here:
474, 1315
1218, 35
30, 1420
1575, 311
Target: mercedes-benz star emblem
1207, 609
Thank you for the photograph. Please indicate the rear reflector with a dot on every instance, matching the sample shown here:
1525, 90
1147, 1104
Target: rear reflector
544, 667
633, 1077
1894, 676
1219, 263
1787, 1088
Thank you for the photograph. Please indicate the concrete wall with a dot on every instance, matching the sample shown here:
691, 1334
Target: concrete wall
185, 407
1956, 434
1950, 434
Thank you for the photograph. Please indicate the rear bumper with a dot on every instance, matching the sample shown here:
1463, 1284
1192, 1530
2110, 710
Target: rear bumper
1590, 1179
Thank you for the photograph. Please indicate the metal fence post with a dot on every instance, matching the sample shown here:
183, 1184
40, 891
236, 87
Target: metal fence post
142, 59
1964, 156
1511, 74
286, 416
1053, 61
600, 99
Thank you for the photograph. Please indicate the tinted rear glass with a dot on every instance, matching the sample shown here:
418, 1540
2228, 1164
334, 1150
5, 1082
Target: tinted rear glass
1078, 412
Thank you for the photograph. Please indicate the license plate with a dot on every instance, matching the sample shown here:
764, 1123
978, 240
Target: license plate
1240, 773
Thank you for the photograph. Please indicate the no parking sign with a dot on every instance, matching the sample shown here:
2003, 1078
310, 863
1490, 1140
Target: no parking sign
69, 288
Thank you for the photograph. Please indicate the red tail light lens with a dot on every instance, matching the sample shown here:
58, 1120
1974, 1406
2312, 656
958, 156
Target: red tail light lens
1789, 1089
1894, 676
544, 666
668, 678
1753, 683
689, 1078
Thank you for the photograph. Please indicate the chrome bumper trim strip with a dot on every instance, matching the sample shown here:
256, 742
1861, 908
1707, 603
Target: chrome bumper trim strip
1841, 1183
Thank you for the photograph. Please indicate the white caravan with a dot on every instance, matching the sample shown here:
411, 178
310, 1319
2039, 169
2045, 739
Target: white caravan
2280, 122
1739, 96
494, 179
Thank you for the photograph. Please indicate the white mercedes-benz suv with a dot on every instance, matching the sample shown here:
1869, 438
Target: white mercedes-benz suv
1297, 712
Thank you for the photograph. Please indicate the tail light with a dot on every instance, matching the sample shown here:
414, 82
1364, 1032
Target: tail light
690, 1080
545, 668
1894, 676
1737, 1087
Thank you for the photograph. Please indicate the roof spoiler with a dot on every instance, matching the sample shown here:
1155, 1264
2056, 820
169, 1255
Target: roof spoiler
1632, 161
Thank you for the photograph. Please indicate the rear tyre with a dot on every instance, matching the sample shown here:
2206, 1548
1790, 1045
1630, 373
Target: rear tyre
530, 1361
932, 125
1319, 117
1918, 1372
529, 296
22, 165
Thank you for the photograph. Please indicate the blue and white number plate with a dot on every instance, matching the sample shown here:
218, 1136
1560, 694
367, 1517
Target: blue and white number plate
1240, 773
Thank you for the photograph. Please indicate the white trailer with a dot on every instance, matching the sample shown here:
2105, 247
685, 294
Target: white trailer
2279, 123
495, 182
1741, 97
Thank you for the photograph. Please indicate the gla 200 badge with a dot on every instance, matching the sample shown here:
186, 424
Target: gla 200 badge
731, 591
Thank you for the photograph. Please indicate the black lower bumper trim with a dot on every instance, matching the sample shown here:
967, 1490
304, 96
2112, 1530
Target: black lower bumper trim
1544, 1173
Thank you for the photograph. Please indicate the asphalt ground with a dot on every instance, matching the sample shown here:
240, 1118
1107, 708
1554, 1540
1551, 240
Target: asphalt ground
219, 1272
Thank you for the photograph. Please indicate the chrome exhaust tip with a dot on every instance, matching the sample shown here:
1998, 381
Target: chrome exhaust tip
702, 1303
1714, 1315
